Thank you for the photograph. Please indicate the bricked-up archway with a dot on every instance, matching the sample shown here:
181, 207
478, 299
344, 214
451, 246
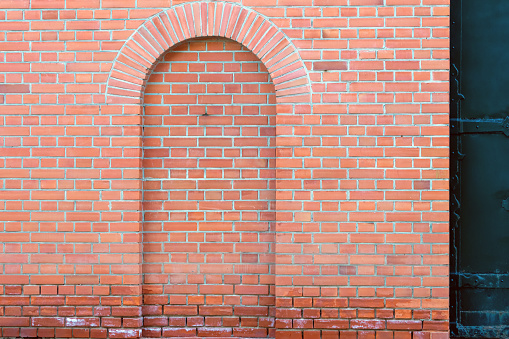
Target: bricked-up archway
139, 55
200, 19
209, 193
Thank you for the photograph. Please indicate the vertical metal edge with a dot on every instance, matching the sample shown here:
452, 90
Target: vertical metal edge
455, 151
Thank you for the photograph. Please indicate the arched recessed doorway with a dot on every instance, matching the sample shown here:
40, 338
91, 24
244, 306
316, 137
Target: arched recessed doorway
125, 90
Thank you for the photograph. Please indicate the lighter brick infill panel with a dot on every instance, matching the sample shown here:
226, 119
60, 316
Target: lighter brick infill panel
209, 199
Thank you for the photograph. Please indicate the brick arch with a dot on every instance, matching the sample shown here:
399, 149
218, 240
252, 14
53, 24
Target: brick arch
139, 54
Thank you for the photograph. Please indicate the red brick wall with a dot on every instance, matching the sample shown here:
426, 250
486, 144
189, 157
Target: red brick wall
311, 201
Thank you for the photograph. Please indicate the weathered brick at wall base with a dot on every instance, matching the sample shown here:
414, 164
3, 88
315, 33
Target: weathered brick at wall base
272, 168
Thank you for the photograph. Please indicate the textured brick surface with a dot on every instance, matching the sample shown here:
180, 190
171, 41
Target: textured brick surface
209, 191
311, 201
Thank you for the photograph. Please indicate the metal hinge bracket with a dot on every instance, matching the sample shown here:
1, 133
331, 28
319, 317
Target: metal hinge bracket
475, 126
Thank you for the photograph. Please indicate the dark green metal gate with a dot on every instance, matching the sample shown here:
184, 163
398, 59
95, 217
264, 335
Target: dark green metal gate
480, 168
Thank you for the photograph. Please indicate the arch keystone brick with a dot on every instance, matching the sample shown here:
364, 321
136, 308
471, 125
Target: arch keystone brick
130, 71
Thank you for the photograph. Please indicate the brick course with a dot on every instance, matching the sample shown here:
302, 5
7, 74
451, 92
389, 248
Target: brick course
310, 201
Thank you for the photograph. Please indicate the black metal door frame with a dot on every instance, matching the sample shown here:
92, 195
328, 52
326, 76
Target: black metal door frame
455, 156
460, 126
454, 194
